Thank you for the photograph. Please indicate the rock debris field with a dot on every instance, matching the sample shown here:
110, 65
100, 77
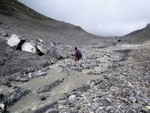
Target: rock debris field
38, 75
109, 79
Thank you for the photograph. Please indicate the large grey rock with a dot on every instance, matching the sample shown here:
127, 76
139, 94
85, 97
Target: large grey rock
13, 41
55, 50
45, 47
28, 47
42, 49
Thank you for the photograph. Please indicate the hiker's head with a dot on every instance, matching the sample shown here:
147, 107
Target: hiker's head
75, 48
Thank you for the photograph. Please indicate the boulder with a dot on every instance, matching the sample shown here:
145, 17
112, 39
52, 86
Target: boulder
61, 54
57, 50
13, 41
42, 49
28, 47
52, 49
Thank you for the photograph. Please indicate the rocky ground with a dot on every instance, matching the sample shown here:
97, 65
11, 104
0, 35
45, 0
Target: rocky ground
122, 85
112, 79
38, 74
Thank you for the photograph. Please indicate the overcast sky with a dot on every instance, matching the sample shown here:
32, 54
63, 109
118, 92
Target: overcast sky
99, 17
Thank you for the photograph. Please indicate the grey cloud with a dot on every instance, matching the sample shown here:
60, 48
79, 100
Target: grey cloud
100, 17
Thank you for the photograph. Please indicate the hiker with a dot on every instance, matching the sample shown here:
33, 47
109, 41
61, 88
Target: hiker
77, 55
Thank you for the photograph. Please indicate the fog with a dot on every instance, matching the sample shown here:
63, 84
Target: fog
99, 17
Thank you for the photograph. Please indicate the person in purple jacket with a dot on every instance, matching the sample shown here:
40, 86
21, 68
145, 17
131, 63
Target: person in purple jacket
76, 57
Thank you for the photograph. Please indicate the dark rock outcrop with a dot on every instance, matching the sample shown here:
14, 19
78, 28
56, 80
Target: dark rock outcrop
24, 77
15, 96
48, 88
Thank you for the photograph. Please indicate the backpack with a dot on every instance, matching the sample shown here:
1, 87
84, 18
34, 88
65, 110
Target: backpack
79, 54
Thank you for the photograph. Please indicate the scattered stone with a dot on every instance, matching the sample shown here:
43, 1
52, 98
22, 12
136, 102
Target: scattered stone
116, 91
28, 47
145, 110
39, 73
19, 77
92, 84
132, 99
63, 102
15, 96
131, 110
136, 105
99, 109
48, 88
43, 97
95, 105
141, 98
119, 89
13, 41
72, 97
7, 83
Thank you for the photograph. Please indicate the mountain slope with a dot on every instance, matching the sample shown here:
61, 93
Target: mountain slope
30, 24
16, 18
138, 36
